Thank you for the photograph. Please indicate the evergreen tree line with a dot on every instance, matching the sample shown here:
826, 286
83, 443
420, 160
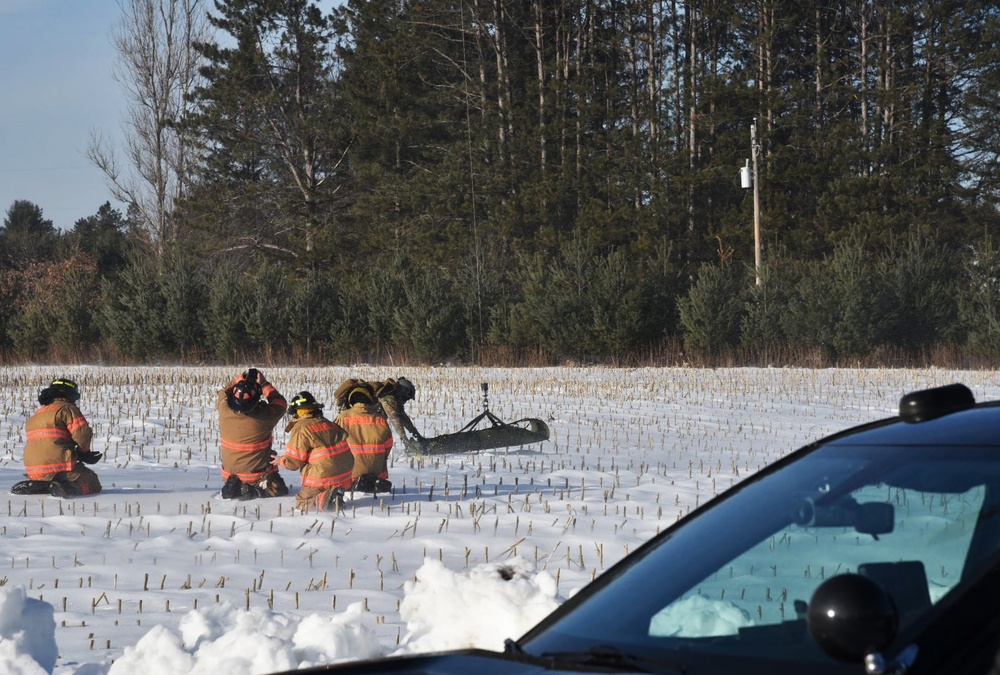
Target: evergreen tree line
97, 293
532, 180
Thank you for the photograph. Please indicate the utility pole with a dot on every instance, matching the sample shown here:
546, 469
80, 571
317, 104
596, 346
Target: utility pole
748, 179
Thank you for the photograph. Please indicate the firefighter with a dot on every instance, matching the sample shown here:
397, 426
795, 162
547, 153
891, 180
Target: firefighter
393, 395
59, 444
319, 448
369, 437
249, 408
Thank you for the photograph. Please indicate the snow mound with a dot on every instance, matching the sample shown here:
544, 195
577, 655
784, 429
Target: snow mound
450, 610
442, 610
27, 634
223, 640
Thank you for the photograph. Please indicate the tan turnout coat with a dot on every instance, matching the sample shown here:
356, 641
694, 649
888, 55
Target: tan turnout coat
369, 437
247, 438
319, 448
54, 433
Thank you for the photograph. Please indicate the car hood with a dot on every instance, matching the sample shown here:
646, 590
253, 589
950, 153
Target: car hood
460, 662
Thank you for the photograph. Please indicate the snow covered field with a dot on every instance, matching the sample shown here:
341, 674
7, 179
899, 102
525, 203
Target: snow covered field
158, 574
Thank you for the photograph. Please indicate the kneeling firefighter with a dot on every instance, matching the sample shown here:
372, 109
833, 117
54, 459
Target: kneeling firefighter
58, 446
369, 437
319, 448
249, 408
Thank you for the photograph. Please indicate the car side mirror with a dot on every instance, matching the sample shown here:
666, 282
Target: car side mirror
851, 617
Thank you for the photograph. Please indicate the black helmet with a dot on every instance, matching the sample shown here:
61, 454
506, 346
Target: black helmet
303, 399
60, 388
244, 396
405, 391
361, 393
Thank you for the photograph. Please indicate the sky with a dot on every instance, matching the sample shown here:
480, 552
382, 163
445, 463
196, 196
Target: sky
57, 89
158, 574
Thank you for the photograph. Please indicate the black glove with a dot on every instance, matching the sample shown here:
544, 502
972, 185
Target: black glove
254, 375
89, 457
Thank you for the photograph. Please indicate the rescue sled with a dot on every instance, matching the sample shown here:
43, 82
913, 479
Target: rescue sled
487, 432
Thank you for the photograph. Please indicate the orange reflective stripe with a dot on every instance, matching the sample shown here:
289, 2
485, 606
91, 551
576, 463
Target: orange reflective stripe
273, 397
37, 470
77, 423
368, 449
343, 480
49, 433
247, 447
295, 453
249, 477
329, 451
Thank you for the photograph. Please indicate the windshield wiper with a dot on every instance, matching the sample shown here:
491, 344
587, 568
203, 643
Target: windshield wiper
610, 657
510, 646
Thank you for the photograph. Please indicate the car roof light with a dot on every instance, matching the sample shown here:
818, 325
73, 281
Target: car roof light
927, 404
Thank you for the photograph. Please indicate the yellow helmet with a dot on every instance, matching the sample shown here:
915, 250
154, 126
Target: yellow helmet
361, 393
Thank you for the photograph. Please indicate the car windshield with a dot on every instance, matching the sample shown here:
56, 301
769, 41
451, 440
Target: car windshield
736, 578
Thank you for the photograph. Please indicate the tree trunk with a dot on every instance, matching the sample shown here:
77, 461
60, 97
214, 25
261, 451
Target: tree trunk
157, 66
539, 45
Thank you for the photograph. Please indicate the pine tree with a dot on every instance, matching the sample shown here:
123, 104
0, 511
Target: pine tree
712, 310
271, 125
27, 235
103, 236
406, 97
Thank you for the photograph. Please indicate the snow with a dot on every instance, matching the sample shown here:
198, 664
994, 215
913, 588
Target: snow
436, 607
157, 574
27, 633
699, 616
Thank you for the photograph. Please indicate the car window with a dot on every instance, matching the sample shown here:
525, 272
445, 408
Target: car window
771, 582
736, 578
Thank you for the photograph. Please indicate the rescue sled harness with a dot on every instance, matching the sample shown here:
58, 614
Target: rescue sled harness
476, 435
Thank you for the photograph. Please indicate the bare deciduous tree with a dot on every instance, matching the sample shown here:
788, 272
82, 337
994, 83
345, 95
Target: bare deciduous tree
158, 68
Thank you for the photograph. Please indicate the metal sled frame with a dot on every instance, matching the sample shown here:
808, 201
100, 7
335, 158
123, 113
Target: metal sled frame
498, 434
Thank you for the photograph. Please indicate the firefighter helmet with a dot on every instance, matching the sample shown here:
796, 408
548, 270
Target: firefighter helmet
361, 393
62, 387
303, 400
244, 396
